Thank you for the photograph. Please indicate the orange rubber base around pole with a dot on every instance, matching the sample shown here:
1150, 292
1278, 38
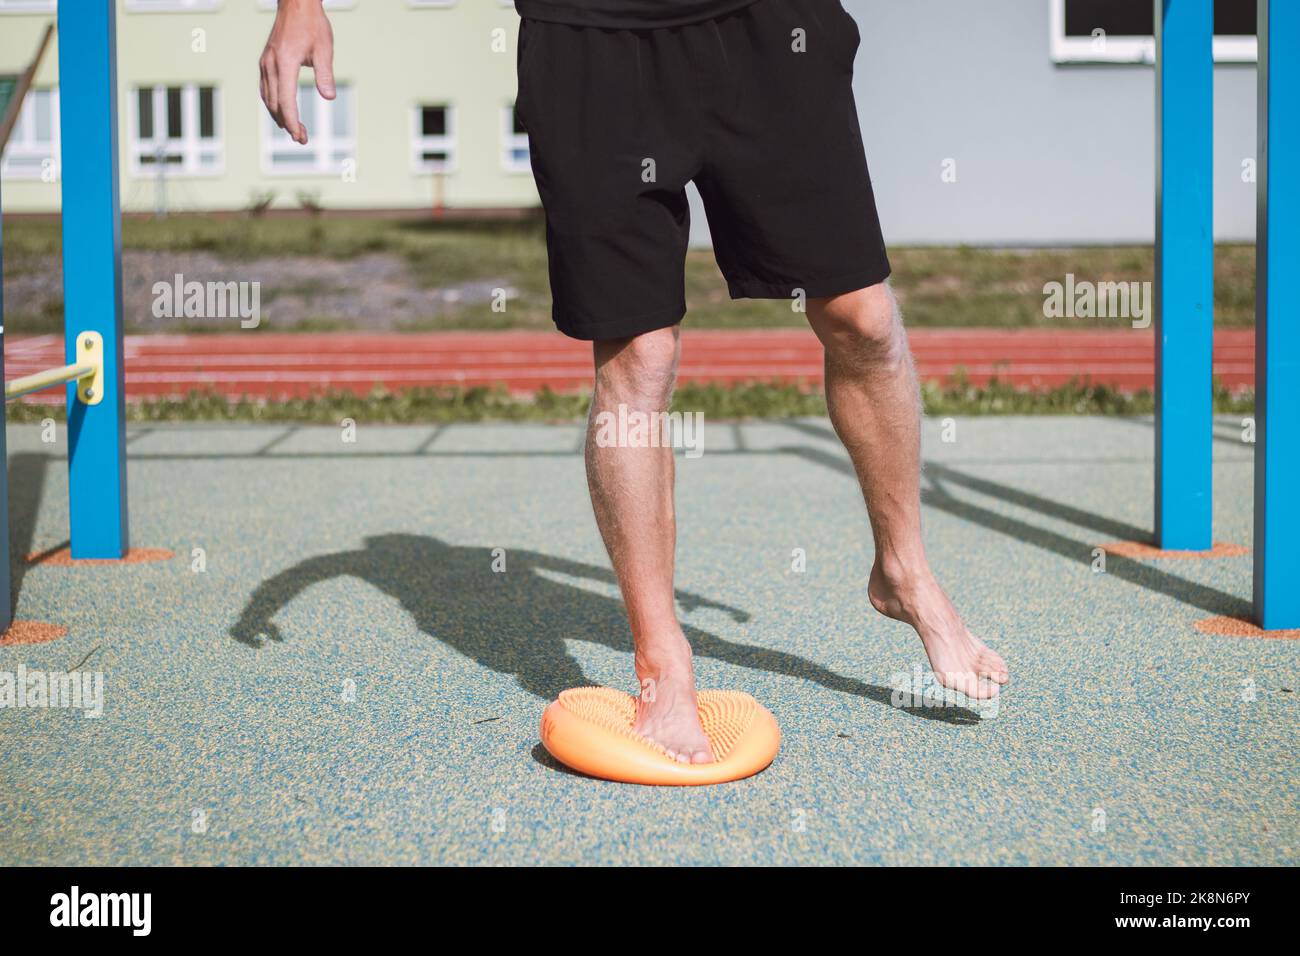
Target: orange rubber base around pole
590, 730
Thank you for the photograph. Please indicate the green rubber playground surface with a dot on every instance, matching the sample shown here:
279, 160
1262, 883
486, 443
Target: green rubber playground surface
331, 671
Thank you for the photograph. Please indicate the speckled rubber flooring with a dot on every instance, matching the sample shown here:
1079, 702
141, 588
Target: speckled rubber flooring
331, 671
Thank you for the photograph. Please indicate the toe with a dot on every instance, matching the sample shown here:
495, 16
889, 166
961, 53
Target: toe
701, 756
993, 667
974, 688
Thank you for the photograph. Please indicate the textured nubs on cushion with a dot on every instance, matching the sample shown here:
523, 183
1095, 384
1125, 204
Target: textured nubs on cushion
590, 730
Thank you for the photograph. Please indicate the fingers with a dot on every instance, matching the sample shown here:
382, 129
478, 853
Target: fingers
287, 92
279, 88
267, 67
274, 90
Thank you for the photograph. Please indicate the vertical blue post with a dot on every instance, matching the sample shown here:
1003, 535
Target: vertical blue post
92, 275
1277, 320
1184, 286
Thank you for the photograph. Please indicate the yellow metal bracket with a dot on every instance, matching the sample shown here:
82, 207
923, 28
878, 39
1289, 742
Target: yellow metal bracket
90, 351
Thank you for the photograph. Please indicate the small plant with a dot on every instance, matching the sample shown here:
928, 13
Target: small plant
756, 400
260, 202
309, 200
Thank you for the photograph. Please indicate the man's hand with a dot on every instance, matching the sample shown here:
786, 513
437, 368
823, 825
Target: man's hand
301, 37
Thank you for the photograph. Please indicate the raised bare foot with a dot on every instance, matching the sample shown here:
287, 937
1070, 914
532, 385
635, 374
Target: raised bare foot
959, 659
666, 711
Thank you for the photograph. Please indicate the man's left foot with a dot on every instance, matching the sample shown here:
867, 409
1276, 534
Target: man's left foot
959, 659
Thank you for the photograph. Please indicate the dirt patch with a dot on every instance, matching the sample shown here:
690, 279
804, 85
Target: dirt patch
374, 292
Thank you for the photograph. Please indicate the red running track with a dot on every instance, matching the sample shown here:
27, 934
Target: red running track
276, 365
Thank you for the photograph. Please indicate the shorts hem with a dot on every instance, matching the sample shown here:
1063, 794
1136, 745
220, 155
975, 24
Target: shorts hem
625, 329
813, 289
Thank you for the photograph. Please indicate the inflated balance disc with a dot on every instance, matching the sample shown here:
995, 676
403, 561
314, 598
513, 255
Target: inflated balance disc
590, 730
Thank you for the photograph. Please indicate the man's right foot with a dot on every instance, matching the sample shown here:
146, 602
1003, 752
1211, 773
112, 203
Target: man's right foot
667, 712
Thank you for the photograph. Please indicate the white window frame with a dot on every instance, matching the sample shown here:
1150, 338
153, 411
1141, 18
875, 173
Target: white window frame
171, 6
447, 143
190, 146
19, 145
512, 141
1132, 49
27, 6
320, 138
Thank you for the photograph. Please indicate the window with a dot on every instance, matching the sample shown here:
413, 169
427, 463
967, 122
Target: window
177, 126
331, 136
33, 148
26, 6
515, 155
171, 6
1122, 31
434, 139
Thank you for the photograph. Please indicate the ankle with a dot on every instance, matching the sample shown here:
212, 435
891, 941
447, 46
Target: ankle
902, 575
663, 657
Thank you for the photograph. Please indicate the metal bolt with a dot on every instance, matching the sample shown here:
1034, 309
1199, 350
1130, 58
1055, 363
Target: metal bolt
88, 344
90, 393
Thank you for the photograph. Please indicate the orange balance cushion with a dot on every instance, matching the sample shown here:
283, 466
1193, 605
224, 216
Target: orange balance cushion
590, 730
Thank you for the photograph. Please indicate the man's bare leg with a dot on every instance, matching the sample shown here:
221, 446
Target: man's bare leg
632, 494
874, 403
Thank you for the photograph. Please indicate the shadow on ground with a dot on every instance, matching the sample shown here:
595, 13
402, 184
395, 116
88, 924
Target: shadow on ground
26, 488
517, 622
935, 494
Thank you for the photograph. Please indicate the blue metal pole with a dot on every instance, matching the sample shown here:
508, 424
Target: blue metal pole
1184, 286
92, 276
1277, 320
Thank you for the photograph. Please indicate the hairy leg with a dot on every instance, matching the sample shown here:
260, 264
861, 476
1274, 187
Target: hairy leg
874, 403
632, 495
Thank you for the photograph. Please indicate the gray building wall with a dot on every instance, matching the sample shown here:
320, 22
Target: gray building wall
1046, 154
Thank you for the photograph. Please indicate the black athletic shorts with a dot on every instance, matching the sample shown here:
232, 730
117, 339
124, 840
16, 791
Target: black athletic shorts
756, 107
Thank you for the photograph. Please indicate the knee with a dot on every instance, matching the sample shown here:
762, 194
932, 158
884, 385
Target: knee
861, 326
639, 371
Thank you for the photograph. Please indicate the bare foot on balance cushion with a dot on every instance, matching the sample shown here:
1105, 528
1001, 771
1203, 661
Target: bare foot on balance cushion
667, 711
